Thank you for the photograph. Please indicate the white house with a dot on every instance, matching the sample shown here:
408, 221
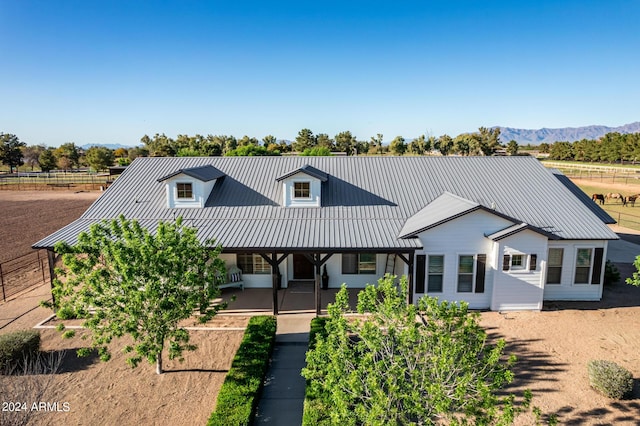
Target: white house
498, 232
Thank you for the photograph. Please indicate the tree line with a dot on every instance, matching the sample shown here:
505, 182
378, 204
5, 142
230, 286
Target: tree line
611, 148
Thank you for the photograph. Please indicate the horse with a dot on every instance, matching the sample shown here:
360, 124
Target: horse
598, 198
616, 196
631, 199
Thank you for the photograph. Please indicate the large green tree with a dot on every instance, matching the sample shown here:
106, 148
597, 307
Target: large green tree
31, 155
11, 150
99, 157
346, 142
392, 369
304, 140
47, 160
125, 280
68, 156
397, 146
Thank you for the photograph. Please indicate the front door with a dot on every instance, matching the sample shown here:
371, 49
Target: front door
302, 268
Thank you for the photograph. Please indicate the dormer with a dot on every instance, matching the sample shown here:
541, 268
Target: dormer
190, 188
302, 187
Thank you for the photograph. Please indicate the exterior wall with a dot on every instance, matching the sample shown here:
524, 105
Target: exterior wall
463, 236
201, 191
520, 289
287, 191
567, 290
336, 277
250, 280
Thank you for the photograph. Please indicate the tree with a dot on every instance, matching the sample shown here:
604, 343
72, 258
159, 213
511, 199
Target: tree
488, 140
544, 148
99, 157
463, 144
68, 156
444, 144
391, 369
269, 140
418, 146
512, 147
126, 280
250, 151
346, 142
397, 146
47, 160
324, 141
160, 145
375, 144
304, 140
10, 150
31, 155
635, 279
318, 151
561, 151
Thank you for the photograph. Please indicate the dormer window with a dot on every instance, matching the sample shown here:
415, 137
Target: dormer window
302, 190
185, 191
302, 187
190, 188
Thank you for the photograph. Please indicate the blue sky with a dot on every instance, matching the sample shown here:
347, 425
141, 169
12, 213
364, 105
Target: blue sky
112, 71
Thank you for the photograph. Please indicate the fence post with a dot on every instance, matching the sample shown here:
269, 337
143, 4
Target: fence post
4, 297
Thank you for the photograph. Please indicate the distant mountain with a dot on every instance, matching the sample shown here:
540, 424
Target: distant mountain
568, 134
105, 145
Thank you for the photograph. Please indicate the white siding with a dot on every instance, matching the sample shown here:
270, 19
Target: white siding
315, 191
520, 289
201, 192
337, 278
463, 236
567, 290
250, 280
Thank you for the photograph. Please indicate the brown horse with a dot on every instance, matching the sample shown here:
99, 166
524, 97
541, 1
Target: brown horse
631, 199
598, 198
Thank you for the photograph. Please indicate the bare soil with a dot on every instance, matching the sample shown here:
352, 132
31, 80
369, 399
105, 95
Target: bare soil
28, 216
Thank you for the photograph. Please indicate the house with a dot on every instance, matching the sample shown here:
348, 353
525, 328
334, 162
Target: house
502, 233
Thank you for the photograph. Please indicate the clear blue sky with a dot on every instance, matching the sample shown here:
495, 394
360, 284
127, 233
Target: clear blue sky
112, 71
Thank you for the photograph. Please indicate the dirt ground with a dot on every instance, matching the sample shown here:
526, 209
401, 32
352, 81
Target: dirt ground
28, 216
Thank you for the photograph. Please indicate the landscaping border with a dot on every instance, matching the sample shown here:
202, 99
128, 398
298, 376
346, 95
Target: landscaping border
240, 392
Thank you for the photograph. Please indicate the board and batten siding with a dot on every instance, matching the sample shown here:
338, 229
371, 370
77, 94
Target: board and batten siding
463, 236
520, 289
567, 290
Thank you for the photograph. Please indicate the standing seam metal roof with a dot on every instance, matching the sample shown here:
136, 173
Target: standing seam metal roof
366, 201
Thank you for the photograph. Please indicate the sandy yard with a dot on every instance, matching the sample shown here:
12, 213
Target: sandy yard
28, 216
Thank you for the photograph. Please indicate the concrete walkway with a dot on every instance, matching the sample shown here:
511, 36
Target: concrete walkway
283, 394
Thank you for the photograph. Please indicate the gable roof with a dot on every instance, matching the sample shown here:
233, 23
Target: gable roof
443, 209
203, 173
308, 170
514, 229
366, 201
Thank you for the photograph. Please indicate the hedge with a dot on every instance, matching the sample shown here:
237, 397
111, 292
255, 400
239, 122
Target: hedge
14, 347
241, 389
316, 411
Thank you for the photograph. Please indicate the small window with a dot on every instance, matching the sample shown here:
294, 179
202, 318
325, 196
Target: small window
465, 274
435, 274
185, 191
554, 266
302, 190
583, 266
253, 263
517, 261
359, 263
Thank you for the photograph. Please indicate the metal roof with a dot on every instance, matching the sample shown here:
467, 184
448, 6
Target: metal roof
204, 173
444, 208
366, 201
514, 229
306, 169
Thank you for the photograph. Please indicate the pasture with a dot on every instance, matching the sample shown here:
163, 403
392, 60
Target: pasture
627, 216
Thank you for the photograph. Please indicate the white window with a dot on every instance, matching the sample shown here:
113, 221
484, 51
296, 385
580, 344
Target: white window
359, 263
465, 273
253, 263
184, 191
554, 265
583, 265
302, 190
435, 273
518, 261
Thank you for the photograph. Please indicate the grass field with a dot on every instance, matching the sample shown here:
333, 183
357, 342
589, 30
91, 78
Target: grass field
628, 216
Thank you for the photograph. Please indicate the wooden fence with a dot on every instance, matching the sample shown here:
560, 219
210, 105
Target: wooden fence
22, 273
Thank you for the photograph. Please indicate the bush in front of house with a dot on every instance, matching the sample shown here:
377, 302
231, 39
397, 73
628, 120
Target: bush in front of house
611, 273
241, 389
316, 410
18, 345
610, 379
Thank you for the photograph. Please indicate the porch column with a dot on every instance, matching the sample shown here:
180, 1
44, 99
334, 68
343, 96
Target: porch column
51, 258
317, 285
410, 277
274, 282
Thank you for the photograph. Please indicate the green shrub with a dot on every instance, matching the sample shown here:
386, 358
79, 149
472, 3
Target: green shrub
316, 411
239, 394
14, 347
610, 379
66, 313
